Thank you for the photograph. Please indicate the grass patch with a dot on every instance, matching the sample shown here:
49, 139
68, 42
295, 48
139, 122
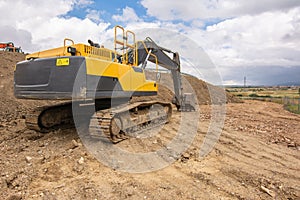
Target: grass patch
288, 96
293, 108
292, 92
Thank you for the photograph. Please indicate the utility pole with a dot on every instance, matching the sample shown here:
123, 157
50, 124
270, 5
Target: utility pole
244, 83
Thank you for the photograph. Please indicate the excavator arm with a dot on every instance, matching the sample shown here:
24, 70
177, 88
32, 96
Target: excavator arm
145, 51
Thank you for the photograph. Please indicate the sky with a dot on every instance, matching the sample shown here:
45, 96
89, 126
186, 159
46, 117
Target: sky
257, 39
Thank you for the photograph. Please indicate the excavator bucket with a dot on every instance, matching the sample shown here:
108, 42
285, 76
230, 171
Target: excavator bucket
188, 103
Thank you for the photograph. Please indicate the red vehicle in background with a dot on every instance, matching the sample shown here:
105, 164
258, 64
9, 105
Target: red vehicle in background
9, 46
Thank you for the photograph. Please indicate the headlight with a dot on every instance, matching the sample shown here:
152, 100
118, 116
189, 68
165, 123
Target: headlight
72, 50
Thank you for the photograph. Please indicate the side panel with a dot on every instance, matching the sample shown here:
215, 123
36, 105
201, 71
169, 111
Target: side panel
43, 79
131, 79
96, 67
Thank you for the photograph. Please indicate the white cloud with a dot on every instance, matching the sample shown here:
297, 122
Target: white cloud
19, 37
28, 12
265, 39
34, 9
82, 3
128, 15
247, 33
52, 32
94, 15
206, 9
37, 25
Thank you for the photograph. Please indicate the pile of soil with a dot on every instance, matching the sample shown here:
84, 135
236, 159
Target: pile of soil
209, 94
205, 93
10, 107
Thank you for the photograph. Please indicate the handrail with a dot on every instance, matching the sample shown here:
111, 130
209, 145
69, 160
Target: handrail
65, 41
127, 36
125, 45
145, 47
133, 46
116, 42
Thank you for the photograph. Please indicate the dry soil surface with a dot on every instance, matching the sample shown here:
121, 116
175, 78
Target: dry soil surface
257, 156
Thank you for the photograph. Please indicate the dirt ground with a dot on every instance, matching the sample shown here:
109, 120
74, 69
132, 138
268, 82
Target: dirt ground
256, 157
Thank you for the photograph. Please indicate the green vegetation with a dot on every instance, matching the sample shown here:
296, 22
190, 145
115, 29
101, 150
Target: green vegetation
256, 95
288, 96
293, 108
292, 92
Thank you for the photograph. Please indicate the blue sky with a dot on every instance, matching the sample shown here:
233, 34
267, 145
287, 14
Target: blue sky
115, 7
259, 39
107, 10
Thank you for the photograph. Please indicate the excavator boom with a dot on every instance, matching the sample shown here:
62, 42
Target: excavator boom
183, 101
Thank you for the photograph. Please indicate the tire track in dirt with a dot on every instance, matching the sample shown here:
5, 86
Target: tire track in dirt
265, 157
248, 151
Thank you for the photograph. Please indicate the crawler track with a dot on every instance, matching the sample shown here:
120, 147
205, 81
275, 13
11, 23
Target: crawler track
47, 118
126, 121
117, 123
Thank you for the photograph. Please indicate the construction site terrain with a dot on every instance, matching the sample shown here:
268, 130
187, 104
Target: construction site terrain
257, 156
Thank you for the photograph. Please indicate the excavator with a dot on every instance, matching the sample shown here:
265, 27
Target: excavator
106, 76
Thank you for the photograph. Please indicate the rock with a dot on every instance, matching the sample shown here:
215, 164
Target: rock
268, 191
186, 155
74, 144
28, 159
3, 183
292, 144
81, 161
79, 168
15, 197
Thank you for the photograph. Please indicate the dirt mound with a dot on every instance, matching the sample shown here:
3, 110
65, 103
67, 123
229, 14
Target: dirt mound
10, 107
206, 93
209, 94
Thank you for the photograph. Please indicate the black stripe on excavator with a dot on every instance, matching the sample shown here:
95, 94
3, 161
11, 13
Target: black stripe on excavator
103, 83
44, 95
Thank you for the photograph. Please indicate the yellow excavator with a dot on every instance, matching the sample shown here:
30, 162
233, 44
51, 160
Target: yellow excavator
81, 72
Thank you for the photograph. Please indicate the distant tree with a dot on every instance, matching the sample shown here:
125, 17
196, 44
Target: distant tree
299, 91
253, 95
